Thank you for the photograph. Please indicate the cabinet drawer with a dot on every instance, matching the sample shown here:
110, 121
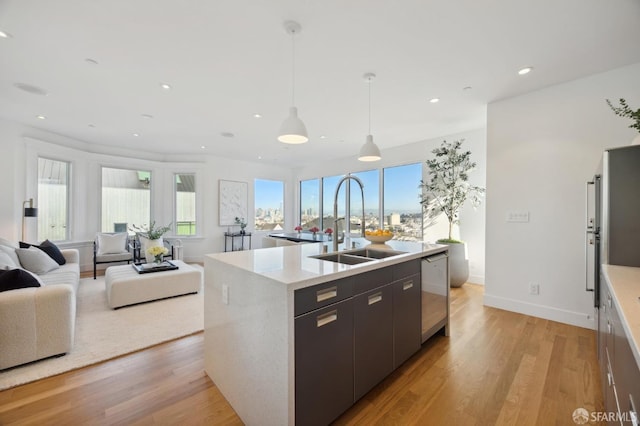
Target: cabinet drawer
406, 269
318, 296
373, 279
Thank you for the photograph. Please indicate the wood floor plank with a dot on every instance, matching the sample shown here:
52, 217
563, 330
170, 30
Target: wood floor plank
496, 367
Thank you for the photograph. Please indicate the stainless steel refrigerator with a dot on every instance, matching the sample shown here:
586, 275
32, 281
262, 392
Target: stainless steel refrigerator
613, 215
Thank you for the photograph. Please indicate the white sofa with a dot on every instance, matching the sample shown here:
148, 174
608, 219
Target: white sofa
39, 322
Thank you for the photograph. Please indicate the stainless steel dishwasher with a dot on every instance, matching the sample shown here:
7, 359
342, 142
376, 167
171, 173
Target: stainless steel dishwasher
435, 295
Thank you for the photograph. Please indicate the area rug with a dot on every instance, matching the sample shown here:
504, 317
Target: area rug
103, 333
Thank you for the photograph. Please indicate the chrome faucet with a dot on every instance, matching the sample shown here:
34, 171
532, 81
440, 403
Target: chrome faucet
335, 207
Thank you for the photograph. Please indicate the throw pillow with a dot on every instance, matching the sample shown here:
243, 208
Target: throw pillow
35, 260
53, 251
112, 243
6, 262
48, 247
11, 252
17, 278
5, 242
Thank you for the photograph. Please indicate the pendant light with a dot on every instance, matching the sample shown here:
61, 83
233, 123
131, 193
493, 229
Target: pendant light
369, 151
293, 130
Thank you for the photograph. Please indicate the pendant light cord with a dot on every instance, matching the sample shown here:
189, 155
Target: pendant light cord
369, 105
293, 68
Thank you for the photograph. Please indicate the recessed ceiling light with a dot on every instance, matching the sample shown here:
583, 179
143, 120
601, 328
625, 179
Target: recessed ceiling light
257, 115
147, 116
4, 35
165, 86
227, 134
41, 117
203, 147
323, 137
136, 134
34, 90
434, 100
91, 61
259, 157
526, 70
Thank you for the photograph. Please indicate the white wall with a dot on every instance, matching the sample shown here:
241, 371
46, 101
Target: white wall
472, 222
541, 149
21, 146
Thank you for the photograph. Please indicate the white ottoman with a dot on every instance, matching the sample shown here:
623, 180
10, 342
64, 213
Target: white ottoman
125, 286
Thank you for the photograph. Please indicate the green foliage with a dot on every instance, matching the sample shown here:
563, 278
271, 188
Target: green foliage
448, 188
240, 221
625, 111
151, 232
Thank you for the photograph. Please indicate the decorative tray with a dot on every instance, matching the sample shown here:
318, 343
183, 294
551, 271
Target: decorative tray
146, 268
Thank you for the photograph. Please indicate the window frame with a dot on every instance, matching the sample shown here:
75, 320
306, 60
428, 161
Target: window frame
69, 192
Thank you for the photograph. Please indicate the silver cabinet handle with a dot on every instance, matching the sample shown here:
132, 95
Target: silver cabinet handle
609, 328
324, 319
375, 298
407, 285
609, 379
326, 294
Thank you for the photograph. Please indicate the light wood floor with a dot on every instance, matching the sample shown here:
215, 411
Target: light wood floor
496, 368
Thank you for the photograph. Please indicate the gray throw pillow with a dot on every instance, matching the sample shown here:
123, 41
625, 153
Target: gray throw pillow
35, 260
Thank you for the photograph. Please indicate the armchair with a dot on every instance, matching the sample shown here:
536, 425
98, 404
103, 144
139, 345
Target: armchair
111, 247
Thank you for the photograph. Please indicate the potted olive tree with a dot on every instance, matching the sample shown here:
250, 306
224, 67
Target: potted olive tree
445, 192
625, 111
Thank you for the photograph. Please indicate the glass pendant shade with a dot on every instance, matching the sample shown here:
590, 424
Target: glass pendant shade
369, 151
293, 130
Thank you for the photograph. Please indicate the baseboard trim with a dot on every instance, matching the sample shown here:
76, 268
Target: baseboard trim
476, 279
579, 319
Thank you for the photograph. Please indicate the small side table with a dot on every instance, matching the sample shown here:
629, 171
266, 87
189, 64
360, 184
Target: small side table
232, 236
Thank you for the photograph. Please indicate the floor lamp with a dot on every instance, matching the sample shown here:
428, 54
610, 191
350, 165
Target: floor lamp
27, 212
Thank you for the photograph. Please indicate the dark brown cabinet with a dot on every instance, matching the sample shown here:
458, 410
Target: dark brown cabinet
373, 338
350, 334
406, 318
324, 363
620, 372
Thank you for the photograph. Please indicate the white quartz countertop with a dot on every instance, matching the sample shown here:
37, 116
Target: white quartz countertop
293, 266
624, 282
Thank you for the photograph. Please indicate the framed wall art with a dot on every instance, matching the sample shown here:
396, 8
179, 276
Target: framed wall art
233, 199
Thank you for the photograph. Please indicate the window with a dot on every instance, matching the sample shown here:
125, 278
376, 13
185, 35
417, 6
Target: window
126, 199
329, 185
310, 203
269, 205
401, 198
53, 199
371, 181
185, 220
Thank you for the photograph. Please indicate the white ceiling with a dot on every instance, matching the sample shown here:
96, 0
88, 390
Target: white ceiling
227, 60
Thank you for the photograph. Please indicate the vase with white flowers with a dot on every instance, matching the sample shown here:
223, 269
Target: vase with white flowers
150, 236
158, 252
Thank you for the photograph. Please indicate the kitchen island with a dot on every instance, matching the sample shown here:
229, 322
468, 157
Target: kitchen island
263, 306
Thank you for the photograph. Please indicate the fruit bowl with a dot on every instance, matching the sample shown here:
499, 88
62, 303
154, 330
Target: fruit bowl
379, 239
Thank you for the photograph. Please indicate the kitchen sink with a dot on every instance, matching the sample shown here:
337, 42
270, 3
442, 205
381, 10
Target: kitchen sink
373, 253
354, 257
343, 258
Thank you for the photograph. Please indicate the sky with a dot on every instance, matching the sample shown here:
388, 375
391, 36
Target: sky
401, 190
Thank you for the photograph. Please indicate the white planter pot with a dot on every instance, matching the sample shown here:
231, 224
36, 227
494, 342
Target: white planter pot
146, 243
458, 264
